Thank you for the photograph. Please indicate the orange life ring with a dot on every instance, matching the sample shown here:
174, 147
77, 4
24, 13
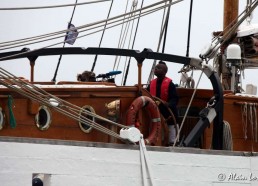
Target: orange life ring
137, 104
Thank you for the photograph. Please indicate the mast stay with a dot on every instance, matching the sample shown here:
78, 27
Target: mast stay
60, 57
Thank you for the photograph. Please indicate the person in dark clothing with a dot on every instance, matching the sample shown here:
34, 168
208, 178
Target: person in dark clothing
86, 76
164, 88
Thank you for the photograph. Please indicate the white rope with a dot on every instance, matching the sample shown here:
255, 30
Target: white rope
54, 6
143, 166
187, 110
144, 155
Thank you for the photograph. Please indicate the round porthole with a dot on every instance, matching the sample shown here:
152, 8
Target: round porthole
2, 116
43, 118
85, 127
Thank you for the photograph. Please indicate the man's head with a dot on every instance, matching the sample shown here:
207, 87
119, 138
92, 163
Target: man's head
86, 76
161, 69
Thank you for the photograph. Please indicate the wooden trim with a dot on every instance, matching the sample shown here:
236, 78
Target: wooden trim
104, 96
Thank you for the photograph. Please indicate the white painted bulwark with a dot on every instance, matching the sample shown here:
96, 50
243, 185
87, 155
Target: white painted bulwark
78, 165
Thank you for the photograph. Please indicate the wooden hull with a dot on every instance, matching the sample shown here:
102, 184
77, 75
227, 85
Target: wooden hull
233, 114
201, 98
65, 128
240, 125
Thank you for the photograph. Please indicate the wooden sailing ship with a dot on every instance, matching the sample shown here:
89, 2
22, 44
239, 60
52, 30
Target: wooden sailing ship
96, 143
36, 120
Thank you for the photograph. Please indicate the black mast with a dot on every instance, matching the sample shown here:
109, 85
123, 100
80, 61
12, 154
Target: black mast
60, 57
96, 56
189, 29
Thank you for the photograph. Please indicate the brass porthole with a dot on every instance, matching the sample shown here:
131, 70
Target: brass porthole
2, 118
85, 127
43, 118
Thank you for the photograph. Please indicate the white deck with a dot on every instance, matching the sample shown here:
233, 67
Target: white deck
93, 164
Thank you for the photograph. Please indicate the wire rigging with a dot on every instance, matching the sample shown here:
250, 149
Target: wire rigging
121, 33
111, 21
129, 25
166, 29
54, 6
28, 51
129, 62
60, 57
123, 36
224, 38
96, 56
129, 43
160, 38
66, 108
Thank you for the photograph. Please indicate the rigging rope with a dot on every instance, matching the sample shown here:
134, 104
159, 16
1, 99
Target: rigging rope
255, 123
54, 35
224, 38
129, 62
166, 30
145, 163
121, 32
79, 27
96, 56
39, 95
188, 107
244, 119
160, 38
123, 38
129, 43
248, 5
54, 6
60, 57
249, 120
28, 51
227, 137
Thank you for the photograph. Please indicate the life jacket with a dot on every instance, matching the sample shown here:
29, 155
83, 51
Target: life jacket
164, 88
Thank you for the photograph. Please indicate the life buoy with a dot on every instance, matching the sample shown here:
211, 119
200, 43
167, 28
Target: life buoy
137, 104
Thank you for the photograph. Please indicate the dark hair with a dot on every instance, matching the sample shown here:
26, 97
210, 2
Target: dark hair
86, 76
163, 63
